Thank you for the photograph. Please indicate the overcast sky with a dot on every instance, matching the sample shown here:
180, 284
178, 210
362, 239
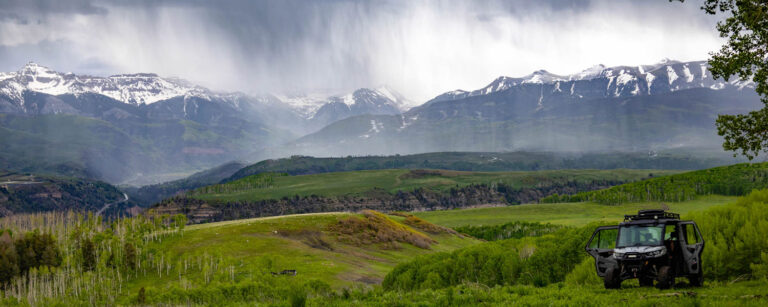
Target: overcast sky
420, 48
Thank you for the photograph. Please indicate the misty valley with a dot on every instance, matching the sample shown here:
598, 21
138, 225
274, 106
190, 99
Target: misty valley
383, 153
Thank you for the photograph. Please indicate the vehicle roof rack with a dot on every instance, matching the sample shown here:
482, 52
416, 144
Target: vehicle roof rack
651, 215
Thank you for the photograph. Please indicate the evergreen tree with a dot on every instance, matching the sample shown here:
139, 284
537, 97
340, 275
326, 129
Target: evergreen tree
130, 256
88, 249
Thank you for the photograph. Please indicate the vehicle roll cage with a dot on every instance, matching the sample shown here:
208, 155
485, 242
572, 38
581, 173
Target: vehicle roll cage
651, 215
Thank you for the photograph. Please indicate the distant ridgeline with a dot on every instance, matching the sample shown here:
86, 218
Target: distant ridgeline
484, 162
733, 180
269, 194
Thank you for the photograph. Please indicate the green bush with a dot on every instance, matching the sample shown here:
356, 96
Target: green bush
533, 261
735, 237
510, 230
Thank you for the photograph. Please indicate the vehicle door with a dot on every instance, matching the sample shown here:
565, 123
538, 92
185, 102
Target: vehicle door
693, 245
600, 247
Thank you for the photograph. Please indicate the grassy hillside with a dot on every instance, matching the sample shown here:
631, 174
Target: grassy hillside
308, 244
570, 214
359, 183
733, 232
736, 180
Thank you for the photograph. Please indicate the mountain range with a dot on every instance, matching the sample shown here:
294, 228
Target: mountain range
129, 128
138, 128
626, 108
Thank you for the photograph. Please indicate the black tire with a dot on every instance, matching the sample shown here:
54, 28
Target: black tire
611, 279
666, 277
696, 280
645, 281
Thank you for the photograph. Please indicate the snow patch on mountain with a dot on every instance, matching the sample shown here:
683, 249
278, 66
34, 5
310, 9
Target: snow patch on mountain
671, 74
589, 73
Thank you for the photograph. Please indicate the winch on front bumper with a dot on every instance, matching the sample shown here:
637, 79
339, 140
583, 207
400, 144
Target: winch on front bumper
640, 264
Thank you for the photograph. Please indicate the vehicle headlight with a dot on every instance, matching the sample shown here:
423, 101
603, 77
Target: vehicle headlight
618, 255
655, 253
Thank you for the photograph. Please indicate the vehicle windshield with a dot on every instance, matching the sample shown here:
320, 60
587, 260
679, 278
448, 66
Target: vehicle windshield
640, 235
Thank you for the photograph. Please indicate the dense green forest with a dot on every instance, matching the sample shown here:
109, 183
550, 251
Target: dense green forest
738, 179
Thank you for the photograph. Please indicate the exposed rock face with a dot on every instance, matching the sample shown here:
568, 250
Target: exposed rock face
200, 211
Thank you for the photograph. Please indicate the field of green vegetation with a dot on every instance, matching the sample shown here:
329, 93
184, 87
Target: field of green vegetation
522, 255
275, 186
570, 214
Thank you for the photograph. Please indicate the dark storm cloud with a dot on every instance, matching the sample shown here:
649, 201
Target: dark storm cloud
418, 47
45, 7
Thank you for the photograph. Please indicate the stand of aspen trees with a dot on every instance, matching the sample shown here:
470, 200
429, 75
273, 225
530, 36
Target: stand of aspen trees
95, 257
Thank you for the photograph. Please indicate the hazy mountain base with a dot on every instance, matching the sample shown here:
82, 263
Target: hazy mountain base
507, 121
154, 193
98, 137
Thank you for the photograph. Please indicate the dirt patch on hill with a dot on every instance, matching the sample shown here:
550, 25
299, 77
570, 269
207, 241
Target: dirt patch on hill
312, 238
376, 228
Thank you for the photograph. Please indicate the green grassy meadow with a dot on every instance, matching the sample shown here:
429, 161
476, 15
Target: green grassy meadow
570, 214
256, 247
391, 181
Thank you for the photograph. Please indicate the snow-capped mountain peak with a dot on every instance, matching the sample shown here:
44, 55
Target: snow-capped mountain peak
542, 76
139, 88
600, 81
308, 105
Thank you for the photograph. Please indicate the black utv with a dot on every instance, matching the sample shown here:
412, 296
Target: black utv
652, 245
